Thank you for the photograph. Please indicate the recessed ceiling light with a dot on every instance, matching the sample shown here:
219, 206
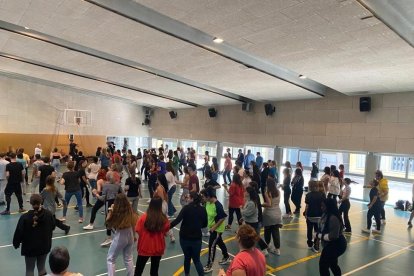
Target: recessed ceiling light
218, 40
27, 28
302, 77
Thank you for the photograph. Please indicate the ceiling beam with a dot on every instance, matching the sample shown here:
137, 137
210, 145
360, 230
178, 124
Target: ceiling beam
94, 78
58, 85
116, 59
153, 19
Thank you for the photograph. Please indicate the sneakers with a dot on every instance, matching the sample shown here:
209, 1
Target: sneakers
76, 208
60, 205
5, 213
88, 227
287, 216
62, 219
208, 268
22, 210
80, 220
314, 249
410, 225
106, 242
172, 239
365, 230
227, 228
265, 252
277, 252
67, 230
89, 205
225, 261
375, 231
383, 222
206, 234
149, 200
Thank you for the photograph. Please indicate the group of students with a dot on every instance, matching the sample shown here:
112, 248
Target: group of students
201, 215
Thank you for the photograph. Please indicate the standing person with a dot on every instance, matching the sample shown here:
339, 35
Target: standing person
272, 216
250, 214
273, 171
84, 182
325, 178
374, 209
38, 149
78, 160
183, 162
34, 233
3, 179
49, 194
333, 241
236, 199
26, 157
297, 190
133, 189
93, 170
263, 177
22, 161
215, 168
299, 165
194, 218
193, 183
176, 165
151, 227
161, 191
410, 225
341, 168
122, 219
345, 204
35, 169
249, 260
44, 171
314, 172
140, 159
104, 158
98, 151
287, 191
209, 182
383, 191
172, 187
215, 217
161, 165
228, 151
259, 160
313, 213
14, 176
184, 186
249, 157
289, 167
334, 187
240, 158
72, 188
228, 166
55, 156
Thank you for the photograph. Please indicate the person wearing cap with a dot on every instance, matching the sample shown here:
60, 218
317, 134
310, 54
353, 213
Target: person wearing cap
34, 233
345, 204
382, 192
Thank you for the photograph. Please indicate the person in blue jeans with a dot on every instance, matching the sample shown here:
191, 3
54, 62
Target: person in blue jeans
72, 188
172, 187
194, 218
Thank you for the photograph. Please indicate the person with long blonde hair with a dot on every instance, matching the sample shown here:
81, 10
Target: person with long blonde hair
122, 219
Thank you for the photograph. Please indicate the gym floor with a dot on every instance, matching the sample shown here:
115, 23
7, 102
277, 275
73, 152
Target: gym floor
390, 253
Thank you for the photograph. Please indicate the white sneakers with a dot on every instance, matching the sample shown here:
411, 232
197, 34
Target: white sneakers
273, 250
265, 252
366, 230
88, 227
106, 242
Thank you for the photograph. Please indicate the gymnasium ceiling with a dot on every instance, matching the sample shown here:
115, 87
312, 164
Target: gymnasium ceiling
161, 53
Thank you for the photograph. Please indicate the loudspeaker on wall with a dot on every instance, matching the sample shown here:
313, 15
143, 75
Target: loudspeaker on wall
365, 104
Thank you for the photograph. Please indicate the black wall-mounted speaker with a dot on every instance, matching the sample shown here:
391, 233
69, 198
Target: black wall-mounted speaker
365, 104
247, 107
212, 112
173, 115
269, 109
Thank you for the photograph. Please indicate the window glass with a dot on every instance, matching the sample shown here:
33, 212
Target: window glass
307, 158
266, 152
411, 168
327, 158
356, 163
172, 144
188, 144
394, 166
290, 155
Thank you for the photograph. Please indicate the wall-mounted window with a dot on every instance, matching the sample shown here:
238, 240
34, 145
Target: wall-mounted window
307, 157
411, 168
394, 166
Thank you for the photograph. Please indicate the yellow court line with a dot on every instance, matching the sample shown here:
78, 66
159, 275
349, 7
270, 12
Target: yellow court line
305, 259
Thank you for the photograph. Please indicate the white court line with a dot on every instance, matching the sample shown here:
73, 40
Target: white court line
66, 236
378, 260
384, 242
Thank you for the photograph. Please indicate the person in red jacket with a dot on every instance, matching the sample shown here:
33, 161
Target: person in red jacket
236, 199
151, 227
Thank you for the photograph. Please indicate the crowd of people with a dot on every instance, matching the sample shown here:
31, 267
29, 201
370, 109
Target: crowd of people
112, 179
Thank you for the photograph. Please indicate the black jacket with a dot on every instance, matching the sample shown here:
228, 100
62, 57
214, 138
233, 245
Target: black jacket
193, 217
35, 240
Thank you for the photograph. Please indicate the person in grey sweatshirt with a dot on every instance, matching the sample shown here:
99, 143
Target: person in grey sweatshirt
250, 214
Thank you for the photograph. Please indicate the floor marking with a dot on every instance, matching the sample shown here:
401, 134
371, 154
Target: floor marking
384, 242
389, 256
307, 258
66, 236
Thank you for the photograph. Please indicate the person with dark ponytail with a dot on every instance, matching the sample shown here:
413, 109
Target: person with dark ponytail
194, 218
34, 232
333, 241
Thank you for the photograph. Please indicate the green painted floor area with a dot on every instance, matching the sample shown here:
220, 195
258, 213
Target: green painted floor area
391, 253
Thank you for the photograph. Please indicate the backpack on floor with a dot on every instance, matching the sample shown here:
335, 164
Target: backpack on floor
408, 206
399, 205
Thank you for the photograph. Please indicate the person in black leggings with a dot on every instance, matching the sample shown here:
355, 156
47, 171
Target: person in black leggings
333, 241
287, 191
